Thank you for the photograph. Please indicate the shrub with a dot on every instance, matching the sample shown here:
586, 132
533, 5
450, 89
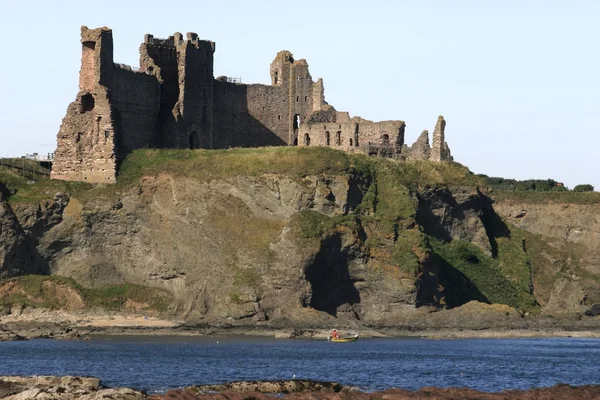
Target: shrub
583, 188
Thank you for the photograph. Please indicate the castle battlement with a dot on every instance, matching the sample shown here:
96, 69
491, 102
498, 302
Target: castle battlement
174, 101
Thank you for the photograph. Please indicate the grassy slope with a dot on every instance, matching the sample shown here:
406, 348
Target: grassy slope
35, 293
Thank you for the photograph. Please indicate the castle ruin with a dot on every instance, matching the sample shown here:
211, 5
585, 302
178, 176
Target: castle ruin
174, 101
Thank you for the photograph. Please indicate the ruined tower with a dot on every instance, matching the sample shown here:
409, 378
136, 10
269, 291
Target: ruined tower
439, 148
184, 70
86, 148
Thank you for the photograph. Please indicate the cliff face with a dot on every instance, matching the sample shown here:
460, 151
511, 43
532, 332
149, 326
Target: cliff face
562, 239
285, 235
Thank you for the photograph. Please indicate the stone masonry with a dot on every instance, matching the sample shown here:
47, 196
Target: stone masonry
174, 101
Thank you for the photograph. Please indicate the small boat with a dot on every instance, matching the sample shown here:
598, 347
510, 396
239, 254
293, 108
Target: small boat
335, 337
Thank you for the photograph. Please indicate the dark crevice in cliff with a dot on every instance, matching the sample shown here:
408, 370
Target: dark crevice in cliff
357, 187
432, 224
493, 224
329, 277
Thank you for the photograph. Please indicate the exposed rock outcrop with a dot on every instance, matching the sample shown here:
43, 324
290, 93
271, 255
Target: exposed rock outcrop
62, 388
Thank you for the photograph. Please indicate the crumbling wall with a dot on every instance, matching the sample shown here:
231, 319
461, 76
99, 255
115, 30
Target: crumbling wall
86, 148
384, 138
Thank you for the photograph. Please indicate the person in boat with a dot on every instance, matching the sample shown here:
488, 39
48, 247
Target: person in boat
334, 334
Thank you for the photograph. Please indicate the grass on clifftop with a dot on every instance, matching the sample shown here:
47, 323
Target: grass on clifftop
295, 162
57, 292
532, 197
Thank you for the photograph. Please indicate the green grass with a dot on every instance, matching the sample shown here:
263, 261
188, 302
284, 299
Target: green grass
403, 253
246, 277
114, 297
547, 197
470, 274
43, 188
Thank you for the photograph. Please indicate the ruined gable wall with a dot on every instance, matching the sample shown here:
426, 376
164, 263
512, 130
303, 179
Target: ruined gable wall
268, 107
301, 96
135, 97
228, 106
264, 115
249, 115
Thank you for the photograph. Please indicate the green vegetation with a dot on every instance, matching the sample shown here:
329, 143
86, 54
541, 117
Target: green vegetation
57, 292
32, 184
310, 224
294, 162
584, 188
546, 197
246, 277
403, 252
538, 185
470, 274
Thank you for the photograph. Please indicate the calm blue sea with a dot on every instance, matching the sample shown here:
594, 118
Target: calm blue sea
155, 364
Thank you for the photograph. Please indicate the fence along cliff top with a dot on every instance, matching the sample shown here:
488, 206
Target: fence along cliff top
173, 100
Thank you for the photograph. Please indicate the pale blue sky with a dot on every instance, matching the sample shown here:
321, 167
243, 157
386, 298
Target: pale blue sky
517, 81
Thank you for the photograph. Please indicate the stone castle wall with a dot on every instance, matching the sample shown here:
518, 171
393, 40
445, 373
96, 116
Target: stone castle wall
174, 101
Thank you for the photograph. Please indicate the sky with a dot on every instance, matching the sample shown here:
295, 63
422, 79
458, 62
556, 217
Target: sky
518, 81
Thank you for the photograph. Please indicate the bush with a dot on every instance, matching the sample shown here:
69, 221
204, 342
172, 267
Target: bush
583, 188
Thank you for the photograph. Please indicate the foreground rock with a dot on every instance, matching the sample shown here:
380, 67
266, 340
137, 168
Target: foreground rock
326, 392
61, 388
279, 386
88, 388
8, 336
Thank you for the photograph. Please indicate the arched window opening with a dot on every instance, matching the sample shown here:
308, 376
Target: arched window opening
385, 139
327, 138
306, 139
296, 122
356, 127
194, 140
338, 138
276, 77
350, 142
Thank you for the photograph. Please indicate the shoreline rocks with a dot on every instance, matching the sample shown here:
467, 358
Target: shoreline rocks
89, 388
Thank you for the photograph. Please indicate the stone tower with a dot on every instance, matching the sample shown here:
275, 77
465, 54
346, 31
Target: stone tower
86, 148
438, 145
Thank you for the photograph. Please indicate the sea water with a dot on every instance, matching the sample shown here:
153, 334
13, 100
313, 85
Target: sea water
159, 363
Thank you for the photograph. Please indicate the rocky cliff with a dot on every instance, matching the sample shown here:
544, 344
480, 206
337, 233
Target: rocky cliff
288, 237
